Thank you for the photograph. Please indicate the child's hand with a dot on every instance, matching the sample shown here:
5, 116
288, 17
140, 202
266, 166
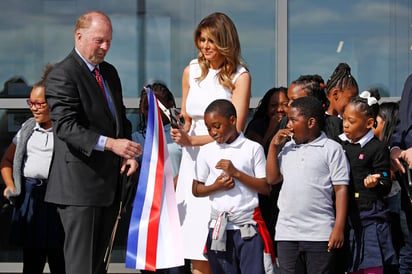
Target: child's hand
8, 188
336, 239
371, 181
227, 167
224, 182
281, 136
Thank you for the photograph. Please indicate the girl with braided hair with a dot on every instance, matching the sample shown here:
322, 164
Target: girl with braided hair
368, 238
340, 88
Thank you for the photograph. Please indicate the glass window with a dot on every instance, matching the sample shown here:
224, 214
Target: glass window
152, 40
154, 45
371, 36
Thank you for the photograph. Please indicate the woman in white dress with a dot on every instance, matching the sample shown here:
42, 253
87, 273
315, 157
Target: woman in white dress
217, 73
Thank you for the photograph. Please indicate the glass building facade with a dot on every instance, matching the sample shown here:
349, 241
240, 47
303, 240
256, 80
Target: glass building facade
153, 40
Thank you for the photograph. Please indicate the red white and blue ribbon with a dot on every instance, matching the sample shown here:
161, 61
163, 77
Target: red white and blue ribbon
154, 240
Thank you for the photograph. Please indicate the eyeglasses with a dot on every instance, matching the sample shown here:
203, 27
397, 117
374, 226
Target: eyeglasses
36, 104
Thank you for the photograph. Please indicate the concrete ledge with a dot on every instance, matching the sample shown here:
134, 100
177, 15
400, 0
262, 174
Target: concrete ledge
114, 268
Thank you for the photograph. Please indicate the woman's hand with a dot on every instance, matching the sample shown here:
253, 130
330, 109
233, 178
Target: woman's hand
188, 121
180, 136
275, 120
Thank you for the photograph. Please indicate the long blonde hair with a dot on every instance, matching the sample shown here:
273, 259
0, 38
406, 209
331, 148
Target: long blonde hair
221, 29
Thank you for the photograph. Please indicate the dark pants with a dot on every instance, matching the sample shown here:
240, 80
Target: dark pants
87, 231
184, 269
313, 255
34, 260
36, 227
241, 256
405, 255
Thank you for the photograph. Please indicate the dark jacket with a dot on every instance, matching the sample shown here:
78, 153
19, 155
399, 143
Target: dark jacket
81, 175
402, 135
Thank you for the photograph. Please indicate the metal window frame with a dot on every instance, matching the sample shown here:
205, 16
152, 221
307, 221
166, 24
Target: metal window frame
133, 103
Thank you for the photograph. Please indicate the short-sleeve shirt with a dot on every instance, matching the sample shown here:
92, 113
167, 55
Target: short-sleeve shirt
39, 151
305, 202
246, 156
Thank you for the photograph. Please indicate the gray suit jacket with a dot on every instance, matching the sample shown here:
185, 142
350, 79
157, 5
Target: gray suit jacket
79, 112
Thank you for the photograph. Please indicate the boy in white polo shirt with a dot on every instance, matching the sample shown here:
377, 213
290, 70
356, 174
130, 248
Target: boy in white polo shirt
231, 171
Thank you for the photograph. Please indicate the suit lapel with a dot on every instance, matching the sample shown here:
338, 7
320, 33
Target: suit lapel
97, 93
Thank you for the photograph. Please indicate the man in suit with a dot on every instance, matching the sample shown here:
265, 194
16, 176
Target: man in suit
92, 144
401, 160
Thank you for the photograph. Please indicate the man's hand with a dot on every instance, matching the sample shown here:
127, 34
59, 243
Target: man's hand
133, 165
395, 160
406, 155
124, 148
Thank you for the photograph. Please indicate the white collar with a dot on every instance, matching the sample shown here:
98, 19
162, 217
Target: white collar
240, 139
90, 66
37, 127
362, 141
319, 141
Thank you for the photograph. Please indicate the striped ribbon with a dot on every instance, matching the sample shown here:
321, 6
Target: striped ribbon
154, 240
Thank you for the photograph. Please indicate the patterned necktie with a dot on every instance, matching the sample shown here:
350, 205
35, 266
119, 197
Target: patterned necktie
99, 81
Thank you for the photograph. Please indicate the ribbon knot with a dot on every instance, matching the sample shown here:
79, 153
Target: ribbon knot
367, 95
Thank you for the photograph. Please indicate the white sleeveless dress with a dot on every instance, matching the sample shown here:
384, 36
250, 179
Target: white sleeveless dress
194, 212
